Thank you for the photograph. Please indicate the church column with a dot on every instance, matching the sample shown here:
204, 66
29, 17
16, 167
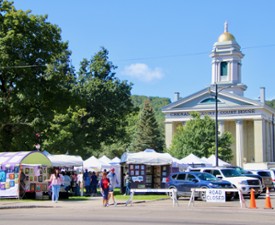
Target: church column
239, 143
169, 132
268, 154
259, 141
272, 139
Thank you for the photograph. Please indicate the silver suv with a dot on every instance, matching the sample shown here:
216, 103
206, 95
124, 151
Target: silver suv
243, 183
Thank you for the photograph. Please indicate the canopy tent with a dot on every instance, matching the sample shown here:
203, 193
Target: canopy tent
148, 168
93, 163
17, 158
105, 163
64, 160
204, 159
192, 159
33, 163
114, 161
147, 157
179, 164
212, 160
105, 159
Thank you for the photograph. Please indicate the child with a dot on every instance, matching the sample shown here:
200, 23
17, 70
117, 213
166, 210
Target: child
104, 187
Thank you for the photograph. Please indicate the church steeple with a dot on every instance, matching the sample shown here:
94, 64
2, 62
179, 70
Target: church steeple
226, 62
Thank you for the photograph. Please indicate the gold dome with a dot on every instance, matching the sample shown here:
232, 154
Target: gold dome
226, 36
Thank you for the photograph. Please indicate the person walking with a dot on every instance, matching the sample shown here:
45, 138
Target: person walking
94, 183
128, 181
104, 187
87, 181
56, 180
113, 181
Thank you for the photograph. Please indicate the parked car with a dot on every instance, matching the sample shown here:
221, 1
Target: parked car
272, 173
184, 181
266, 177
247, 173
243, 183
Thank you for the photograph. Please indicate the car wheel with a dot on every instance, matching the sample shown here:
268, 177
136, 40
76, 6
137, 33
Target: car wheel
203, 194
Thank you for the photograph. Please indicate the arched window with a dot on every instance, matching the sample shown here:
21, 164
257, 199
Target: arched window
209, 100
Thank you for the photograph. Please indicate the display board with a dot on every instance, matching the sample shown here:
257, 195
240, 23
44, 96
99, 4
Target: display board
9, 180
147, 176
35, 178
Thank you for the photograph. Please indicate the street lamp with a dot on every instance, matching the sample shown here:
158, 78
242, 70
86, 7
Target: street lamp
216, 126
216, 121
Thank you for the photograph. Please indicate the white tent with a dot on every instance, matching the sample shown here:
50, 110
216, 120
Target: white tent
65, 160
148, 157
115, 160
105, 162
192, 159
105, 159
115, 163
179, 164
204, 159
212, 159
92, 163
95, 164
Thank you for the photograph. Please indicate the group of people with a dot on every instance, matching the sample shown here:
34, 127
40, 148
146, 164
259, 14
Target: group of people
90, 183
70, 181
106, 183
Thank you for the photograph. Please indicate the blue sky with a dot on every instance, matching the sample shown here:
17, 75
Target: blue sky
163, 46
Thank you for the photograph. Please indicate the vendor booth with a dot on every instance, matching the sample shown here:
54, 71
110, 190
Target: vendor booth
148, 169
23, 174
71, 167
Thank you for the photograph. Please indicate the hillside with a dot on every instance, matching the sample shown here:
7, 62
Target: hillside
157, 104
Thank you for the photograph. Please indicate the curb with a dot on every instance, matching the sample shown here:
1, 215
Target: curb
24, 206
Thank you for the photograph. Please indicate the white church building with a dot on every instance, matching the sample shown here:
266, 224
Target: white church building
251, 122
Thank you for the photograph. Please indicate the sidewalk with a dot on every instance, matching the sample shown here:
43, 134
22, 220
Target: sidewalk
27, 203
95, 202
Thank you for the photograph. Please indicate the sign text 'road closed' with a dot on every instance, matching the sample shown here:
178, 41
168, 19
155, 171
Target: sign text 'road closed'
215, 195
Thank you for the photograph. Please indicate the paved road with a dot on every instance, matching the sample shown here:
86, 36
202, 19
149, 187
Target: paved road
156, 212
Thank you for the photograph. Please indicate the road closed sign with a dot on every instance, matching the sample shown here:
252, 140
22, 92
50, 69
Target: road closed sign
215, 195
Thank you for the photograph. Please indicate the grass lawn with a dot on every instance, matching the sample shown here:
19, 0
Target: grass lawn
118, 196
121, 197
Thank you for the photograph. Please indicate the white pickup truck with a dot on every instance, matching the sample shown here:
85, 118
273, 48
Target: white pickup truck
243, 183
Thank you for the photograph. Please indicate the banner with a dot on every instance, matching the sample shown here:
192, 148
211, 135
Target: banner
9, 181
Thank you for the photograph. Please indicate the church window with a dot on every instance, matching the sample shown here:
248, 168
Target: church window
224, 66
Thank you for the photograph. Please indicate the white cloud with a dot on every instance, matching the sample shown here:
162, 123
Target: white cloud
142, 72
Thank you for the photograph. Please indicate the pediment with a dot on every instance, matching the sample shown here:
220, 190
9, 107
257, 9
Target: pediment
205, 99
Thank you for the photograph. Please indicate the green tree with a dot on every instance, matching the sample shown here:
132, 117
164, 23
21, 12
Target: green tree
35, 77
147, 133
104, 103
122, 145
271, 103
197, 136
